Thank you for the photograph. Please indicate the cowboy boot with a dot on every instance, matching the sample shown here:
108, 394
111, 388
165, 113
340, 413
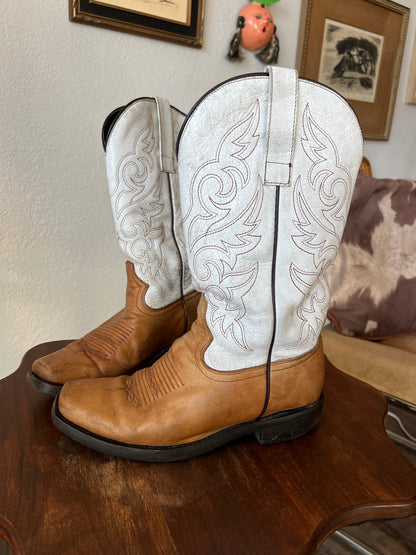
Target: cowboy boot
160, 302
267, 165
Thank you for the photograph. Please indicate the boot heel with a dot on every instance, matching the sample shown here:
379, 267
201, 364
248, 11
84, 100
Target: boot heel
288, 425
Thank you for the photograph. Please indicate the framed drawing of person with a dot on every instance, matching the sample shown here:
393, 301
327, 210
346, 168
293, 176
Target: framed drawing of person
356, 48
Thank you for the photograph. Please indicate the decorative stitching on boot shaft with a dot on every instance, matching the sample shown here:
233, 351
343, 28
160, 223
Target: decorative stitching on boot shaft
137, 202
328, 186
215, 212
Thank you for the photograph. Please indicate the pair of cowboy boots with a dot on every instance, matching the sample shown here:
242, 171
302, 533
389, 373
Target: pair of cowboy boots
266, 165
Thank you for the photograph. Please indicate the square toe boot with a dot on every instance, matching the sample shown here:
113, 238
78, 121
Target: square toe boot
267, 165
139, 140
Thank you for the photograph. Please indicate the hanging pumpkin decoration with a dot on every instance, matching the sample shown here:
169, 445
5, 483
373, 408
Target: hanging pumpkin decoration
256, 31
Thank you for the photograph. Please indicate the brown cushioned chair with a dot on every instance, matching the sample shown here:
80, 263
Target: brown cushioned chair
388, 364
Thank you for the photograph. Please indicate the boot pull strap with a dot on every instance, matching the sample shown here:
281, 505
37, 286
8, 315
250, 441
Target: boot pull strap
281, 125
166, 142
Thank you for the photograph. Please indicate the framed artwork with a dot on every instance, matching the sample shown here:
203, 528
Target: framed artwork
356, 48
411, 87
176, 20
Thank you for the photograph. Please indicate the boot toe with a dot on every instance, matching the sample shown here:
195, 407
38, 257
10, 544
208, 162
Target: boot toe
94, 405
69, 363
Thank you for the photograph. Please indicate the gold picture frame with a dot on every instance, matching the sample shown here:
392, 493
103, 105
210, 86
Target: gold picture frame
179, 21
356, 47
411, 87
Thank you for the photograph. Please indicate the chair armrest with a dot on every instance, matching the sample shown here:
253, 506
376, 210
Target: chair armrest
388, 369
405, 342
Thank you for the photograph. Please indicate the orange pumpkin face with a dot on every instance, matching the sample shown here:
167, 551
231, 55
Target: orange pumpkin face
259, 27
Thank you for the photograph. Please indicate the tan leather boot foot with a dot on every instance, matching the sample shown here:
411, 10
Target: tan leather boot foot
130, 339
181, 408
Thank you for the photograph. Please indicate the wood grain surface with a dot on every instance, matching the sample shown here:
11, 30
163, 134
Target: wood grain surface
59, 497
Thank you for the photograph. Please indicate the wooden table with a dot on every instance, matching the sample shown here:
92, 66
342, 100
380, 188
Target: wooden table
58, 497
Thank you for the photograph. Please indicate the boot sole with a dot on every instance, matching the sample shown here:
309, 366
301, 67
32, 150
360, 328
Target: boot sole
43, 386
273, 429
52, 389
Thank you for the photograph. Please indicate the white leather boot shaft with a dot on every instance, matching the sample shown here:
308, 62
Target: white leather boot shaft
267, 165
144, 192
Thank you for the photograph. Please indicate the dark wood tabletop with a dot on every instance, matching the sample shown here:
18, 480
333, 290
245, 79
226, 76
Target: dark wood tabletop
58, 497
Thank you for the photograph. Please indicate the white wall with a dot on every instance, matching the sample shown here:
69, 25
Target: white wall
61, 270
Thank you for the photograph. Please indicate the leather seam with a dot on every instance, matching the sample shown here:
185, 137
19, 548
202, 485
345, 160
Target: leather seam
214, 375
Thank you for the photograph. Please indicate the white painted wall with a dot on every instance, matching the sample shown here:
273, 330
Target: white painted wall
61, 270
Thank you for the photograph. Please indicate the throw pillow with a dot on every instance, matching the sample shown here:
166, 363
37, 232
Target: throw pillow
372, 282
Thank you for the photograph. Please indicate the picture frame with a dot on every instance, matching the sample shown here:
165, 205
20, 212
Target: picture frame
356, 48
180, 21
411, 87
